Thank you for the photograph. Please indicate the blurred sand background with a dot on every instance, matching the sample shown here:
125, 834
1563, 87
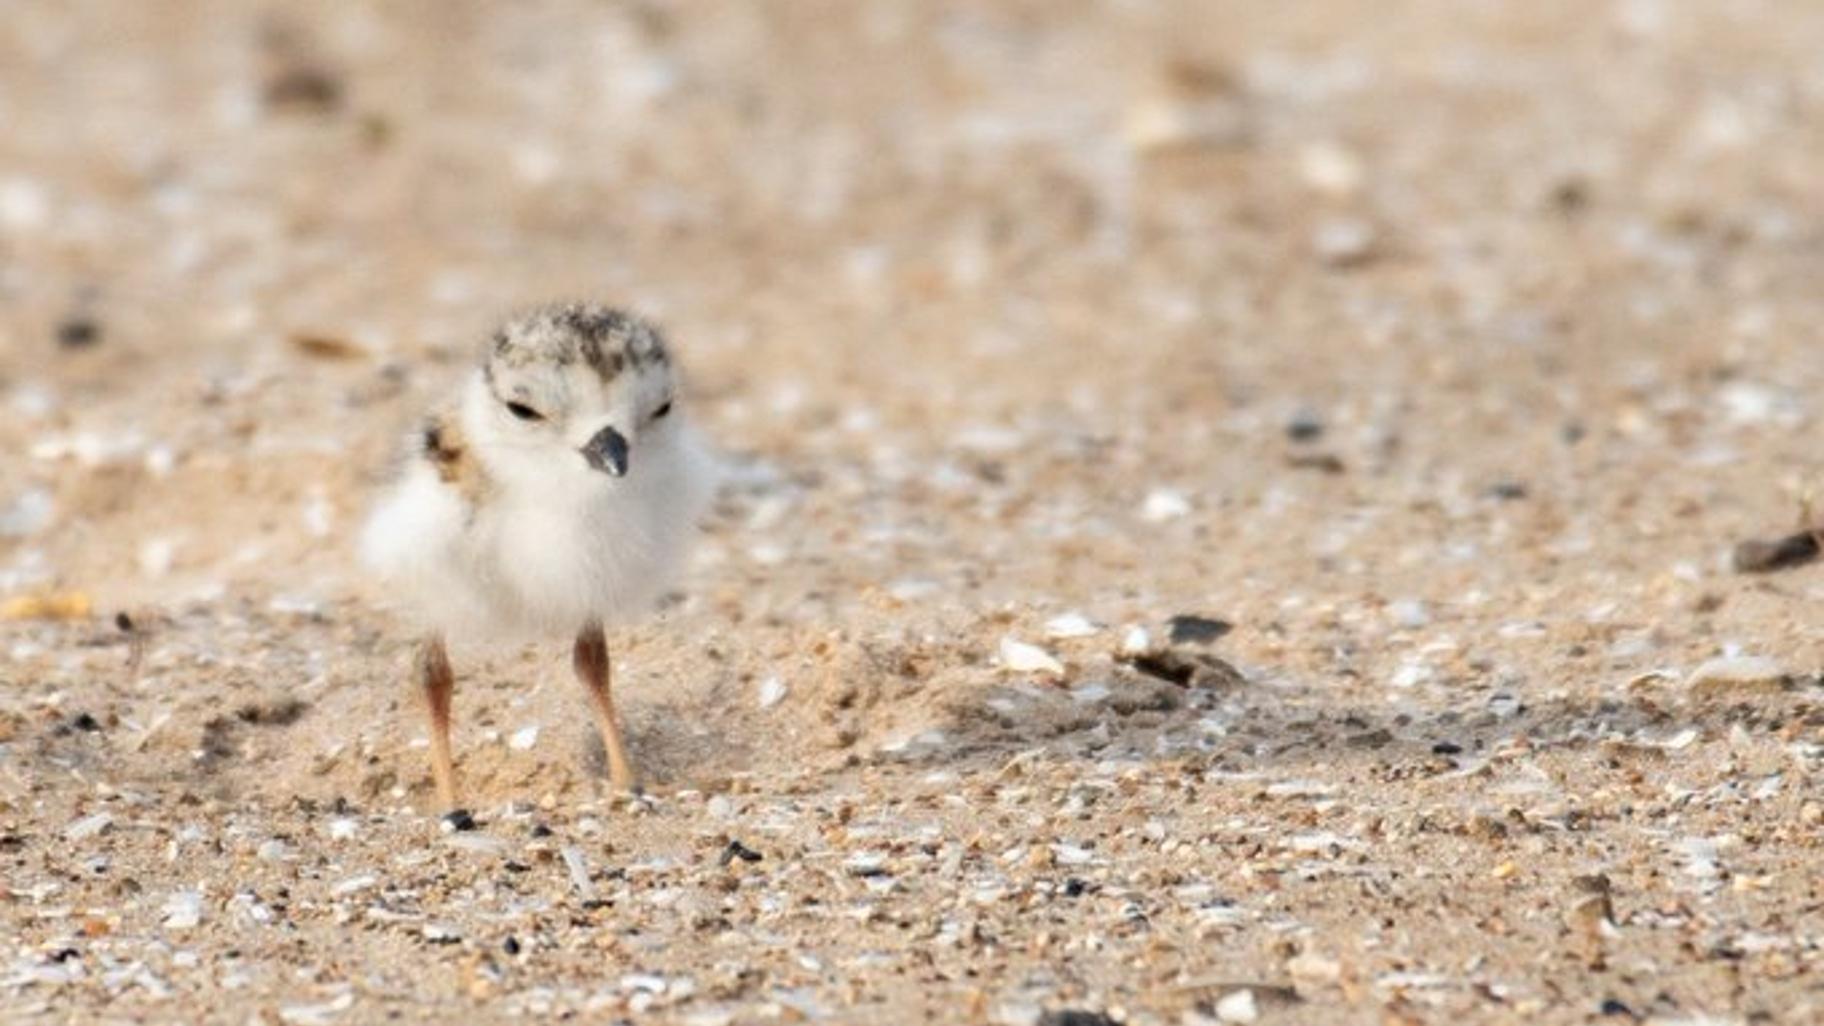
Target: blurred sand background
1443, 349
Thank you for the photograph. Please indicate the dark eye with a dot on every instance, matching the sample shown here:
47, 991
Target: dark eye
524, 412
663, 409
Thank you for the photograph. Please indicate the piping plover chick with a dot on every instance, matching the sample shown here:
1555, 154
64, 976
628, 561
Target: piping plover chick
556, 494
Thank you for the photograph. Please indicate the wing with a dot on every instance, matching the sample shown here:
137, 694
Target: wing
431, 504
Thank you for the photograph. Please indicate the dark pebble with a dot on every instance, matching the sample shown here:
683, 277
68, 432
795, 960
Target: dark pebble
540, 830
304, 88
1076, 1017
1571, 196
1305, 426
81, 723
1504, 705
1075, 888
124, 622
64, 955
1199, 630
511, 945
1610, 1006
737, 850
1759, 557
1447, 748
1188, 669
1329, 463
280, 713
78, 332
459, 820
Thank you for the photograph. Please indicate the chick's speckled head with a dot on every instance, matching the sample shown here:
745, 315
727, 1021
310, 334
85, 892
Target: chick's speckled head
587, 378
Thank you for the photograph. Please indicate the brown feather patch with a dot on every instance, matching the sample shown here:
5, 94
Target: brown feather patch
443, 445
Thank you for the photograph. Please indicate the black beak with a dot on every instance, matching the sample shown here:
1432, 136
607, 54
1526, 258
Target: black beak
607, 452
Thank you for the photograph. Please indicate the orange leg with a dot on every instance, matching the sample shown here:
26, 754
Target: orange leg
592, 668
438, 683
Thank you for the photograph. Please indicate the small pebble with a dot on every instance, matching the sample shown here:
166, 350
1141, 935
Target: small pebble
1070, 625
737, 850
1164, 504
81, 723
1312, 968
1410, 674
1409, 614
1330, 168
87, 827
1344, 242
476, 843
1758, 556
1238, 1007
33, 511
1324, 462
1305, 426
1197, 630
866, 864
302, 86
183, 910
1076, 1017
1508, 491
78, 332
772, 692
1089, 694
353, 885
578, 868
1505, 706
457, 820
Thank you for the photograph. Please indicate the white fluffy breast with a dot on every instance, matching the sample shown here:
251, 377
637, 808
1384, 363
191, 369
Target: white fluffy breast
546, 549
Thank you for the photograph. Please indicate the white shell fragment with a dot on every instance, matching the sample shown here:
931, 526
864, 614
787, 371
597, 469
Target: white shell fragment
578, 868
1021, 657
772, 691
1343, 241
1238, 1007
183, 910
1070, 625
87, 827
1732, 670
1164, 504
